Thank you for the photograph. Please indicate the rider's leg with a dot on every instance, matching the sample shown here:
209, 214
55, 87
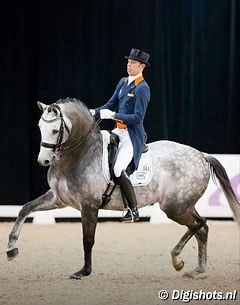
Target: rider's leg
124, 157
128, 192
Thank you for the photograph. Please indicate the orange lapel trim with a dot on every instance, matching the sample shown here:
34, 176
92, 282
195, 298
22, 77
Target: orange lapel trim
138, 80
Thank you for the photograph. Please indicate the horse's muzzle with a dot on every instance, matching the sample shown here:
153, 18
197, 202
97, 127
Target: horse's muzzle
44, 163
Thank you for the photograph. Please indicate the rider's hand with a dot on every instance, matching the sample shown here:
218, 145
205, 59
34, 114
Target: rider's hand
107, 114
92, 111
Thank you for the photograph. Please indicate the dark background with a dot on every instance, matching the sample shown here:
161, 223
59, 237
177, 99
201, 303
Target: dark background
58, 49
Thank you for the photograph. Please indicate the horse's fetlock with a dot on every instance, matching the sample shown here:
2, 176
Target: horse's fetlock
86, 270
201, 269
174, 253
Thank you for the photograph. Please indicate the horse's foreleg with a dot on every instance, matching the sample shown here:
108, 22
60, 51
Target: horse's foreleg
42, 203
89, 222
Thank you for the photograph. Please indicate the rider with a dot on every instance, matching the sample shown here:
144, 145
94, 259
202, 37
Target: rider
127, 107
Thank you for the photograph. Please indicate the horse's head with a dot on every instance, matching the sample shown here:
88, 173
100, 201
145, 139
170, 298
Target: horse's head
64, 126
55, 130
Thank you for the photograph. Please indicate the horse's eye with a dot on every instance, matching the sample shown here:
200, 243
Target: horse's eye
55, 131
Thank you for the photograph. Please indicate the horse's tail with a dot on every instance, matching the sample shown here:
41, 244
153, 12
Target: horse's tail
217, 170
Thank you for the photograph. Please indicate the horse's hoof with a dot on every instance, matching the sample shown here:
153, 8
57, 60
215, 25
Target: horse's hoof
76, 276
11, 254
179, 266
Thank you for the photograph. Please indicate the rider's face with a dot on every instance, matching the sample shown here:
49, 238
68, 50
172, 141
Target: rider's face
134, 67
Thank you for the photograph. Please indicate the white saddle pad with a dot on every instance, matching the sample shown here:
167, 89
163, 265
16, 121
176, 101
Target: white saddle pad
142, 176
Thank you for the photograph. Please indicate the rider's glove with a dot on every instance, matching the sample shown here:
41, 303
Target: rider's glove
92, 111
107, 114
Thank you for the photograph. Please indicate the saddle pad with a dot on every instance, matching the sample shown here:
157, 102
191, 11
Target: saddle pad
142, 176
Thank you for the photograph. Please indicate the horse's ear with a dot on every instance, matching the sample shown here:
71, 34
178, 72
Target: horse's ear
42, 106
55, 110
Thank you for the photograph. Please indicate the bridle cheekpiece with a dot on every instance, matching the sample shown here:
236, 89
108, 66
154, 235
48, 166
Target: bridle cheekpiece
60, 132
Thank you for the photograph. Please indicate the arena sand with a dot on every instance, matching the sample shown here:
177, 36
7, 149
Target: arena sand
131, 264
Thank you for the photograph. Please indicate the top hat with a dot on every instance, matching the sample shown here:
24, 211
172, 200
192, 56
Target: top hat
138, 55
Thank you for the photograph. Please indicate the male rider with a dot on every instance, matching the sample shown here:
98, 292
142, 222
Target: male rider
127, 107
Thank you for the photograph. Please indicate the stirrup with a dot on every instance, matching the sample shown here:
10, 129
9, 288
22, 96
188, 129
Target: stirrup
131, 215
128, 217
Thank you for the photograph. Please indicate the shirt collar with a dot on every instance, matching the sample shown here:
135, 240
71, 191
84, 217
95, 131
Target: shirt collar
132, 78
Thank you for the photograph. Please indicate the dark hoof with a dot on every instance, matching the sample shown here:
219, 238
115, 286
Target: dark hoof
76, 276
11, 254
85, 271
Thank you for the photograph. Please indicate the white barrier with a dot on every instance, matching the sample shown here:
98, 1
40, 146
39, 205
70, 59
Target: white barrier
212, 204
48, 217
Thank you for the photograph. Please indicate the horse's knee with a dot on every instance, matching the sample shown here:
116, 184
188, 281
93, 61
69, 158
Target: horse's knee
24, 211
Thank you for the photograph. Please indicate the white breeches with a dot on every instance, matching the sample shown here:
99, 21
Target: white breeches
124, 153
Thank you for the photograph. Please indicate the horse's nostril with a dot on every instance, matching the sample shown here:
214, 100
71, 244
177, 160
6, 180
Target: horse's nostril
46, 162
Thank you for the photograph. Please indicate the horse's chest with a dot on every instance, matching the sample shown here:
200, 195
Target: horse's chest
60, 188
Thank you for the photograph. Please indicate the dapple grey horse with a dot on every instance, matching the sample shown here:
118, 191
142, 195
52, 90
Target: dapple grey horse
72, 146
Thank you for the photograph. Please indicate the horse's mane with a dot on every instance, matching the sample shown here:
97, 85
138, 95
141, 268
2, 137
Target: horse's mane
71, 100
79, 103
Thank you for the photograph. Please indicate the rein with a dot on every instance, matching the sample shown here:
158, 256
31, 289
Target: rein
69, 148
57, 148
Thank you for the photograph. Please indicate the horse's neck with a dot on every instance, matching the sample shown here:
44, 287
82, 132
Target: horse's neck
84, 141
92, 148
83, 154
82, 122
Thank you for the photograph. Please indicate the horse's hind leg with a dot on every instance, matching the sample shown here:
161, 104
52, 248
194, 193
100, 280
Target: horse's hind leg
197, 223
201, 237
177, 261
42, 203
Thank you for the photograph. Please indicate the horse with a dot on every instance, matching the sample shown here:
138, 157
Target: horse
72, 147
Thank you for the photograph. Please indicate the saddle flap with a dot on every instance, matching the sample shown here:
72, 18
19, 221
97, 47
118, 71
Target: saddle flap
142, 176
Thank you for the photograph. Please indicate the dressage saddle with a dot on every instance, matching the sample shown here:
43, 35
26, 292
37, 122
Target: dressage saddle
112, 156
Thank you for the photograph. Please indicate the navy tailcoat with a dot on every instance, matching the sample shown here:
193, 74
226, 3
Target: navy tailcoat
130, 104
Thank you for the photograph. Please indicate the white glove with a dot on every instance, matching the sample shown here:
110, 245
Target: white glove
92, 111
107, 114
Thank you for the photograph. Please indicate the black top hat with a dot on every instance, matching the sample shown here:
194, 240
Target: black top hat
138, 55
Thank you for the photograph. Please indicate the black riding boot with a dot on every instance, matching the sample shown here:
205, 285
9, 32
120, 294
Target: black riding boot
130, 198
